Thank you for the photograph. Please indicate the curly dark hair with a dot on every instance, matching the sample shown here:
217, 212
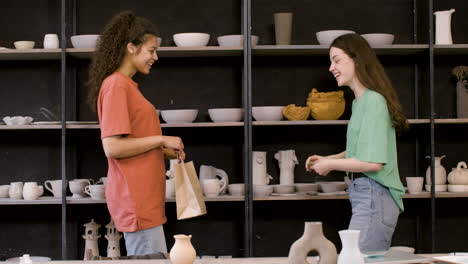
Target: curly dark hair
372, 75
122, 29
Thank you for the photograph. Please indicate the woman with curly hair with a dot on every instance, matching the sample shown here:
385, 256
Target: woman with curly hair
370, 158
131, 132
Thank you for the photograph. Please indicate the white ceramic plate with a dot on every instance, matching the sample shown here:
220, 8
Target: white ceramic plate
33, 258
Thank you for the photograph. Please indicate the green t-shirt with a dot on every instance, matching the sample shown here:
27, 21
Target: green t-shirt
371, 138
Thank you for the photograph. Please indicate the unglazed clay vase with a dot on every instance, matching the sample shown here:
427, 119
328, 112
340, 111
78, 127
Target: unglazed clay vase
440, 173
287, 161
350, 252
312, 239
462, 100
443, 32
182, 252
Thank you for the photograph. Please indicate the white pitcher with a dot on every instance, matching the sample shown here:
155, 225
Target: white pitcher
210, 172
440, 172
287, 161
259, 167
443, 32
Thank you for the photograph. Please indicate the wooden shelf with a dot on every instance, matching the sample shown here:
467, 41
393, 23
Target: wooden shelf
454, 49
30, 54
26, 127
451, 121
311, 50
209, 51
40, 200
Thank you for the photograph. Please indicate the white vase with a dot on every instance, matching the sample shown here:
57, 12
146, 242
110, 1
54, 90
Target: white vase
443, 32
182, 252
350, 252
259, 167
287, 162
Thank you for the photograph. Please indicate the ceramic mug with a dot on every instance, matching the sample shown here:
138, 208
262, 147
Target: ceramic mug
212, 187
415, 184
77, 187
4, 189
210, 172
16, 190
32, 191
55, 187
96, 191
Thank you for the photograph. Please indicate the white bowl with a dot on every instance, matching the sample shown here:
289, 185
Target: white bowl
328, 187
306, 187
267, 113
191, 39
17, 120
236, 189
235, 40
283, 188
226, 114
179, 116
24, 44
438, 187
84, 41
33, 258
378, 39
457, 188
262, 190
326, 37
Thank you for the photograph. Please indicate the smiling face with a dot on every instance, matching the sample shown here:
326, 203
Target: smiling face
143, 56
342, 67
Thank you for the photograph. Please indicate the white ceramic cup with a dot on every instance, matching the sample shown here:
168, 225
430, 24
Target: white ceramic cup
170, 188
4, 189
77, 187
210, 172
16, 190
212, 187
54, 186
96, 191
415, 184
32, 191
51, 41
236, 189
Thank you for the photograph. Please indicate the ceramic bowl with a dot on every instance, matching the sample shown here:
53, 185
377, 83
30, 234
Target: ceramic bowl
179, 116
4, 189
84, 41
262, 190
438, 187
226, 114
267, 113
24, 44
457, 188
283, 188
17, 120
235, 41
191, 39
328, 187
378, 39
326, 37
33, 258
306, 187
236, 189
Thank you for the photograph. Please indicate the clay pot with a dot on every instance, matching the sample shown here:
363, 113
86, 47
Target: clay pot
182, 252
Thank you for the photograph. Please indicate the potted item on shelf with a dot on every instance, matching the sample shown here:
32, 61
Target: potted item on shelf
267, 113
91, 236
461, 73
459, 175
179, 116
191, 39
226, 114
350, 253
440, 173
84, 41
24, 44
287, 162
326, 37
326, 105
283, 28
259, 168
296, 113
236, 189
414, 184
17, 120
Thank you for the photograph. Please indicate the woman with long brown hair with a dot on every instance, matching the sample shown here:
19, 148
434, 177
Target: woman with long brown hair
370, 158
131, 132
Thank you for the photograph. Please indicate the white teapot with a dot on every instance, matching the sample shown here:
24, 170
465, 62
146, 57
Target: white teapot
459, 175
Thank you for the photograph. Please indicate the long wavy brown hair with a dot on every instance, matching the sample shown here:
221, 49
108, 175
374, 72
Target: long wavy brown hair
122, 29
372, 75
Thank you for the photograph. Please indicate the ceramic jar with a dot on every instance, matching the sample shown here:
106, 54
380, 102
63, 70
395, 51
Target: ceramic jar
16, 190
350, 252
51, 41
440, 173
459, 175
182, 252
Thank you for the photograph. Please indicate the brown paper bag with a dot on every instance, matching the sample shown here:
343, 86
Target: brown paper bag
189, 196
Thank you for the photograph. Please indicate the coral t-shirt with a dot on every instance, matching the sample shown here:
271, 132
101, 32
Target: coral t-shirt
135, 188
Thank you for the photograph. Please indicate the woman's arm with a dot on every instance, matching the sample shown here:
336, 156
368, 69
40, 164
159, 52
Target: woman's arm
340, 155
119, 146
325, 165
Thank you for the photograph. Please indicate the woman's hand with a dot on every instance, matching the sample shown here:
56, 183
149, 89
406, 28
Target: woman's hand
322, 166
311, 161
172, 143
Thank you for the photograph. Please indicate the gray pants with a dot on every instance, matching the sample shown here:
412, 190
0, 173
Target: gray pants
145, 242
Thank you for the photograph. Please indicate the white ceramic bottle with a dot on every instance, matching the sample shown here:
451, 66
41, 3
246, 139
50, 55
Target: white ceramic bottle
182, 252
350, 252
443, 31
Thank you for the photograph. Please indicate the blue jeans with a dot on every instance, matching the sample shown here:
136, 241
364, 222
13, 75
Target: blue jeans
145, 242
375, 214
